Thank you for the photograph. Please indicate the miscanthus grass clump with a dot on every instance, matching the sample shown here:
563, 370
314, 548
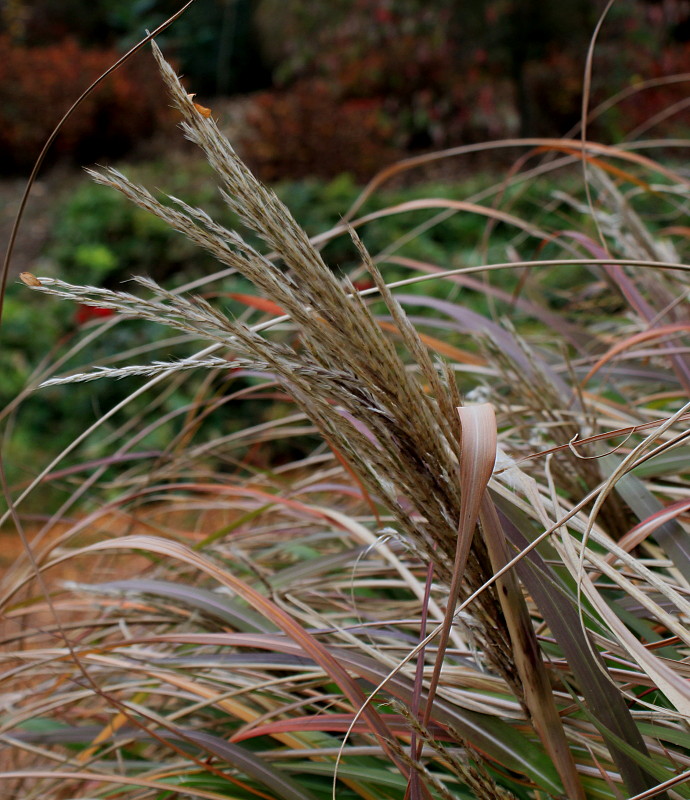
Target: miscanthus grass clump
441, 601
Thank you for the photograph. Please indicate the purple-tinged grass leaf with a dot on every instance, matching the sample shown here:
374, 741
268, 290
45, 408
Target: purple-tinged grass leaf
631, 341
247, 762
581, 339
634, 297
470, 321
507, 746
338, 723
538, 695
225, 608
284, 787
652, 765
560, 614
297, 573
635, 536
664, 676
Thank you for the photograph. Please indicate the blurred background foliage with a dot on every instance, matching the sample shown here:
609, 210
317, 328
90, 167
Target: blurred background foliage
338, 86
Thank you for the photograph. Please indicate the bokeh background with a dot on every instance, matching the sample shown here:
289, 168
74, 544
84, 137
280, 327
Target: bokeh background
324, 88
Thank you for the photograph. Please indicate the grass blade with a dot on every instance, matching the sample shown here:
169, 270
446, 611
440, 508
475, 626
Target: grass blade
538, 694
558, 609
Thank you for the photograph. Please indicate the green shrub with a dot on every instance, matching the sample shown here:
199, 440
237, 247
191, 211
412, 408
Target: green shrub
100, 238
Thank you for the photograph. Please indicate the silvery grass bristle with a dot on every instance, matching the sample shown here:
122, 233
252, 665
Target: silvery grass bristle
347, 377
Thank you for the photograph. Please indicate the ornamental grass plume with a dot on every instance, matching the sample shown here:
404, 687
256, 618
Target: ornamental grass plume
402, 441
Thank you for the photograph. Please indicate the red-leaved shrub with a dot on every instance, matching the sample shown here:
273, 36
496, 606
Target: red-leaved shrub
38, 84
310, 131
662, 110
361, 82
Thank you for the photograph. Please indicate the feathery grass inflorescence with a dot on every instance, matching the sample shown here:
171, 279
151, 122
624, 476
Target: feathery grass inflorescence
346, 377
